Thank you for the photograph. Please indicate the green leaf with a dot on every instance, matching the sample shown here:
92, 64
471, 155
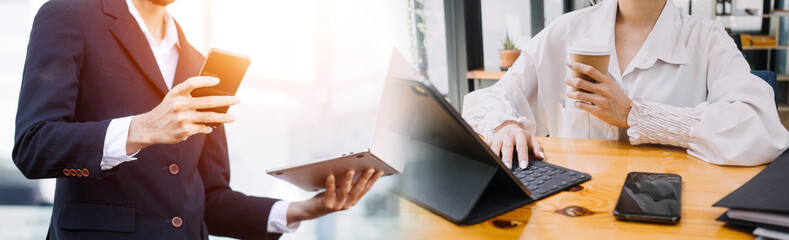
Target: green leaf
508, 44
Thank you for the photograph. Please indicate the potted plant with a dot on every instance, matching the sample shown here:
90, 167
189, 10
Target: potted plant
509, 54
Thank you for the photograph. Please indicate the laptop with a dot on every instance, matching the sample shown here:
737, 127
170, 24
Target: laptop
450, 170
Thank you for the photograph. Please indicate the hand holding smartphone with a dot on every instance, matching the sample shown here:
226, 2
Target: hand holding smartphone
650, 197
230, 68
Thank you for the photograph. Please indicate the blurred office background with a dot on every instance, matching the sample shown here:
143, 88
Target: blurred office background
313, 88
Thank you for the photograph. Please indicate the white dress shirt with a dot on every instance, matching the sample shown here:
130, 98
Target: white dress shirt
690, 86
166, 55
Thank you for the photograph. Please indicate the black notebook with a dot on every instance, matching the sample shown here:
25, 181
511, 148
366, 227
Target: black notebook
767, 192
725, 218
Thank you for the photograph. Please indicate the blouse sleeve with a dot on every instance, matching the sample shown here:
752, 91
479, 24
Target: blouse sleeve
507, 100
514, 98
737, 125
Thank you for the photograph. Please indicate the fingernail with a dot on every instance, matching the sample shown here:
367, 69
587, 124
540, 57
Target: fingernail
509, 165
214, 80
231, 117
542, 155
570, 64
236, 100
524, 164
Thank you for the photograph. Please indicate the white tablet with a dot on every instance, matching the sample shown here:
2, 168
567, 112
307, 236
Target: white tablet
311, 176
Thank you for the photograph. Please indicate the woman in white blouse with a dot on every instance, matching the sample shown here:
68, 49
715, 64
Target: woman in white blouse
673, 79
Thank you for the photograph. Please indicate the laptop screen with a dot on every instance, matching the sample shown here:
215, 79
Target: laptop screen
446, 169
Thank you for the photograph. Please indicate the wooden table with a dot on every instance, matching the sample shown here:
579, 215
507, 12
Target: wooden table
608, 162
483, 75
482, 79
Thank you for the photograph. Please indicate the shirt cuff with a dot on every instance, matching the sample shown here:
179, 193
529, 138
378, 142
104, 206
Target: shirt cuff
661, 124
115, 144
278, 219
488, 123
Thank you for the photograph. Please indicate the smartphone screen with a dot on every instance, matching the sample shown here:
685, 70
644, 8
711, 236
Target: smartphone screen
650, 197
229, 67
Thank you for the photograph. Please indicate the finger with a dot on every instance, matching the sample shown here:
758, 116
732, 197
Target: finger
587, 97
588, 71
198, 128
506, 153
359, 186
193, 83
345, 189
331, 194
370, 184
212, 117
582, 84
537, 149
213, 101
361, 182
372, 180
496, 146
588, 107
522, 147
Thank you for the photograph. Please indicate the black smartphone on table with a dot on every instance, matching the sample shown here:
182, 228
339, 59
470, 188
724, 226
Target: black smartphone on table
650, 197
229, 68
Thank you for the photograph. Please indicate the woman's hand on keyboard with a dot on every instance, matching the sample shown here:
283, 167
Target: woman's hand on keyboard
511, 138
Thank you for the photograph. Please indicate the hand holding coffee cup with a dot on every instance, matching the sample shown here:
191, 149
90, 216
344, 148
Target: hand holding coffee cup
594, 90
590, 52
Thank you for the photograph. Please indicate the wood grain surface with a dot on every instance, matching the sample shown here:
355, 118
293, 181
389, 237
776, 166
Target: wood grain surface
608, 162
482, 74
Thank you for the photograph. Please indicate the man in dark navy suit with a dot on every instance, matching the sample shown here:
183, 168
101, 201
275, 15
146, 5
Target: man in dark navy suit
105, 108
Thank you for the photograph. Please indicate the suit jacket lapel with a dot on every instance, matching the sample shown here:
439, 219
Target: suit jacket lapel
189, 60
128, 33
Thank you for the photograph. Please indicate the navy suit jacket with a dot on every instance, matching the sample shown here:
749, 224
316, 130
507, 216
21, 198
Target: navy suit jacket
88, 62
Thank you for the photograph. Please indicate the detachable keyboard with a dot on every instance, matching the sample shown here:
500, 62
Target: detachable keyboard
544, 179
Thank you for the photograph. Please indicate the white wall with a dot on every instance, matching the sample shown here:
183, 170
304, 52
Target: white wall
499, 16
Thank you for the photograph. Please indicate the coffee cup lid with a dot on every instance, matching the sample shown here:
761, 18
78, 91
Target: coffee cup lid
590, 47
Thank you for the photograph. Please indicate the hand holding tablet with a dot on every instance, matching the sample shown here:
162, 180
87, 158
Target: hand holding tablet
339, 195
312, 176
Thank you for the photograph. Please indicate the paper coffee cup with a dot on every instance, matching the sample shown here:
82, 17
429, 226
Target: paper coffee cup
590, 52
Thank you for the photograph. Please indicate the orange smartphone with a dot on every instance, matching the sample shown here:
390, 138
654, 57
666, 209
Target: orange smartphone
230, 68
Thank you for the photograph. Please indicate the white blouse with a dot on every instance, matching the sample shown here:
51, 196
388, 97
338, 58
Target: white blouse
690, 86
